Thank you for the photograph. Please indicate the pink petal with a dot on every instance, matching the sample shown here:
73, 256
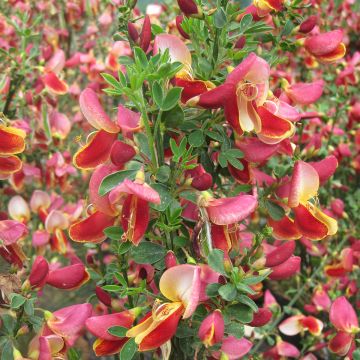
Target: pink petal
178, 51
325, 168
231, 210
182, 283
304, 183
286, 349
235, 348
343, 316
287, 269
143, 191
129, 121
94, 113
291, 326
11, 231
99, 325
325, 43
305, 93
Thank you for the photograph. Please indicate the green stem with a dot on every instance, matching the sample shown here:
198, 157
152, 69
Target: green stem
148, 131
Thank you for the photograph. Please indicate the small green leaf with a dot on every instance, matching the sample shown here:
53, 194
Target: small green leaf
111, 181
234, 153
112, 288
114, 232
29, 307
235, 329
128, 350
7, 351
275, 211
118, 331
46, 124
228, 292
111, 80
213, 289
219, 18
17, 301
245, 22
174, 117
158, 94
222, 160
171, 99
241, 313
148, 253
235, 163
216, 261
247, 301
196, 138
163, 173
140, 57
120, 279
245, 288
73, 354
124, 247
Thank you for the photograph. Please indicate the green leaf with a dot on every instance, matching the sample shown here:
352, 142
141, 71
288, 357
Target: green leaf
125, 60
228, 292
17, 301
356, 354
216, 261
245, 288
7, 351
129, 349
111, 80
118, 331
275, 211
245, 22
73, 354
222, 160
120, 279
247, 301
46, 124
111, 181
158, 94
235, 329
165, 197
241, 313
140, 57
124, 247
148, 253
163, 173
174, 117
171, 99
112, 288
29, 307
251, 280
156, 29
219, 18
196, 138
235, 163
234, 153
287, 28
114, 232
184, 331
213, 289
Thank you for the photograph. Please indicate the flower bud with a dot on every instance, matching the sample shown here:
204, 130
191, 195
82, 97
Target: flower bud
133, 33
240, 43
307, 25
121, 153
103, 296
145, 36
39, 272
170, 259
190, 8
261, 317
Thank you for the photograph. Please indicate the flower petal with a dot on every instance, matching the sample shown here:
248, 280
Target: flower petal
96, 151
231, 210
92, 228
54, 84
284, 229
343, 316
304, 184
286, 269
11, 140
94, 113
340, 344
